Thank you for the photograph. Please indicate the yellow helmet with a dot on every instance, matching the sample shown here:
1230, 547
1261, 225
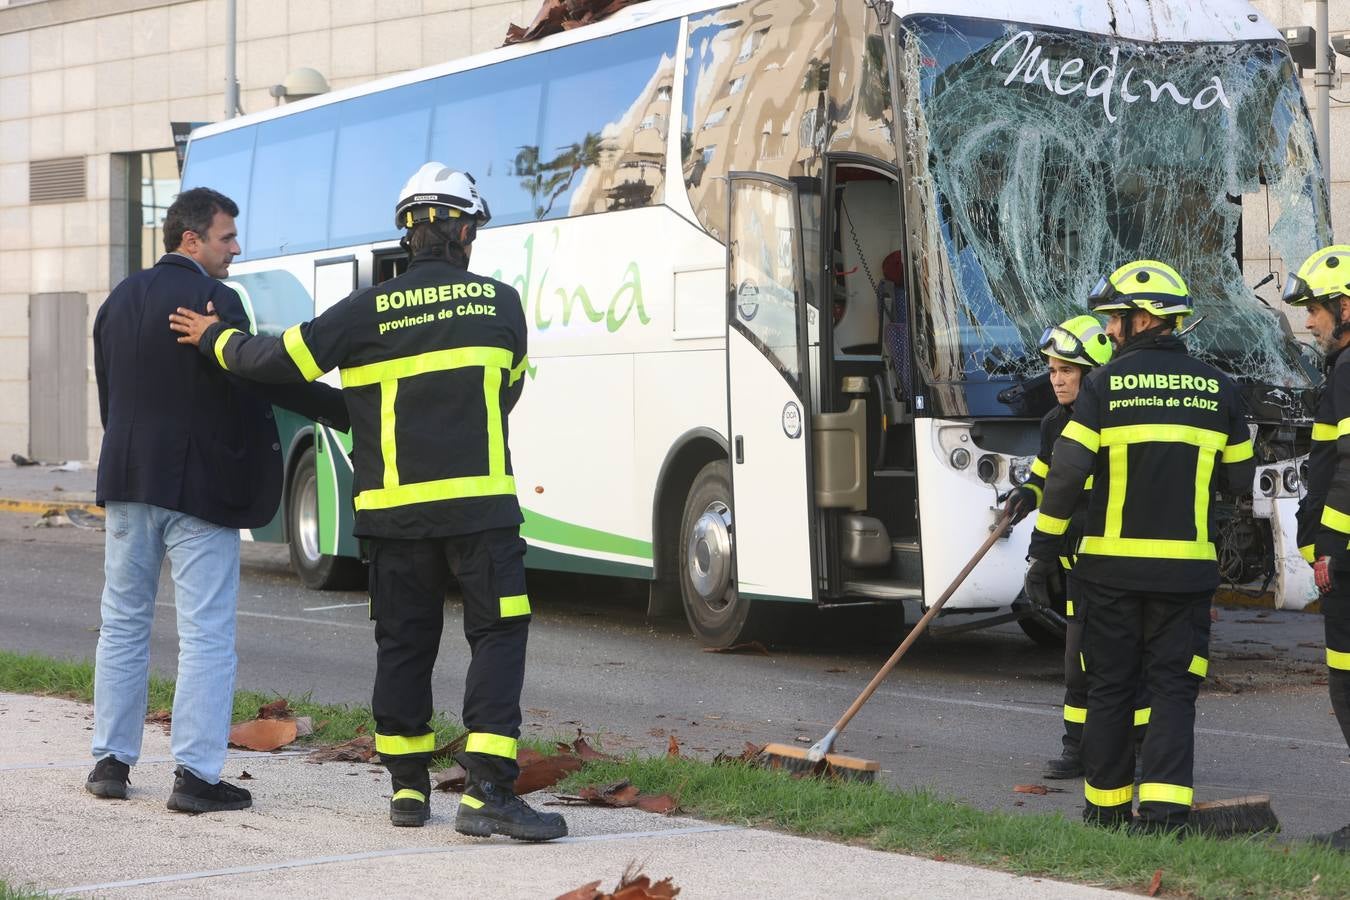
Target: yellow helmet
1323, 276
1146, 285
1080, 340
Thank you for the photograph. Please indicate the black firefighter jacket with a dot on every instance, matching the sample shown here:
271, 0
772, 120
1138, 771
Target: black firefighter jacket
1324, 511
431, 365
178, 432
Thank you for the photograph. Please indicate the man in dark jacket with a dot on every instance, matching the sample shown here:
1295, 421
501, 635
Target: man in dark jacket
190, 455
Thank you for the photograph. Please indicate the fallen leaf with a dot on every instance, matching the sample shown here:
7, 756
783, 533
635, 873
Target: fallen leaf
245, 776
673, 747
585, 892
749, 754
359, 749
1031, 789
263, 734
619, 794
277, 709
1155, 884
632, 886
451, 779
736, 648
939, 858
545, 772
451, 748
160, 717
661, 803
586, 751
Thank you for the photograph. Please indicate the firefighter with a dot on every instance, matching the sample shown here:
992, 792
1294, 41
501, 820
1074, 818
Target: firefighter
1073, 349
431, 364
1158, 431
1322, 287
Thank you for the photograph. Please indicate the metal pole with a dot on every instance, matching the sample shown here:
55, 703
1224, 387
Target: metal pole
1322, 91
231, 84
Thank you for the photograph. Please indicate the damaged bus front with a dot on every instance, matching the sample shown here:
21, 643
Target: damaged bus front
1037, 157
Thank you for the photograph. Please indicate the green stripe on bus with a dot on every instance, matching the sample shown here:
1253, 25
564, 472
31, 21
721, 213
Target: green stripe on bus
555, 531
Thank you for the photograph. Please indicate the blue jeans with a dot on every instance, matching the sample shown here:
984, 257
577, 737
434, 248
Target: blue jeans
204, 562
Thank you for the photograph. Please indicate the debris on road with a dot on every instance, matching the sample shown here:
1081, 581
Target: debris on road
737, 648
622, 794
748, 755
632, 886
359, 749
673, 748
263, 734
1155, 884
1038, 789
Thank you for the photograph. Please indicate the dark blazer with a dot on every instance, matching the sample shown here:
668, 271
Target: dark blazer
179, 433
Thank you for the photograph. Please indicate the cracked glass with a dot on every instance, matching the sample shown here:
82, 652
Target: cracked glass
1040, 159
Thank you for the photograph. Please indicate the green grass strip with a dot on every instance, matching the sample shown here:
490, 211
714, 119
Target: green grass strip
11, 892
922, 823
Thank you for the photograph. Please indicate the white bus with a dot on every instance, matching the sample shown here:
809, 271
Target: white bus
785, 264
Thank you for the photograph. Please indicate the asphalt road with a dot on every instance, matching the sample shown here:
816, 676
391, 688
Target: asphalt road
969, 715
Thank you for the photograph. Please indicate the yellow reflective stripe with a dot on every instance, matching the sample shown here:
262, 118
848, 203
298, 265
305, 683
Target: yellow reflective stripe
300, 355
220, 345
1236, 453
1337, 659
1335, 519
1037, 491
1204, 473
422, 363
1087, 485
1115, 491
1082, 661
1115, 797
1077, 431
1051, 524
431, 491
490, 744
1343, 427
1324, 431
1065, 562
1040, 467
519, 605
1199, 666
519, 371
1307, 551
1164, 434
492, 387
388, 443
410, 794
1156, 792
1142, 715
398, 745
1076, 714
1068, 608
1143, 547
471, 802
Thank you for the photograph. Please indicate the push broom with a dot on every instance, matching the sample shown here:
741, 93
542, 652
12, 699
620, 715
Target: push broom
818, 760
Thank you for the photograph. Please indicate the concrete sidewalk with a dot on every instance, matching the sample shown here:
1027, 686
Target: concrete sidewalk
38, 488
323, 829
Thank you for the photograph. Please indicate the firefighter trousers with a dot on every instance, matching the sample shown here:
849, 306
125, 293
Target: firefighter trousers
1336, 618
1162, 641
408, 584
1075, 675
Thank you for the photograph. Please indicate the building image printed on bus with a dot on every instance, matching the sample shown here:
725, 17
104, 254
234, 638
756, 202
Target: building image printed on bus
785, 265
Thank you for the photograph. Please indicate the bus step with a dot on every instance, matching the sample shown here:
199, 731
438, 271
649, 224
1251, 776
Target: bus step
881, 589
892, 473
905, 562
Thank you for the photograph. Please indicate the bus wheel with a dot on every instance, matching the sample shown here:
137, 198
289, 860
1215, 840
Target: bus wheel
317, 570
717, 614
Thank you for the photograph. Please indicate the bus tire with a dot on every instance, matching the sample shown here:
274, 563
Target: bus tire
717, 614
318, 571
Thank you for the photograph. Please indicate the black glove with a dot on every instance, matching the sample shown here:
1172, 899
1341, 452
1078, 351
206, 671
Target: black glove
1018, 503
1042, 582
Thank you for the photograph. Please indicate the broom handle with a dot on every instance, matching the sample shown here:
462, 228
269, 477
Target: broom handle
1004, 523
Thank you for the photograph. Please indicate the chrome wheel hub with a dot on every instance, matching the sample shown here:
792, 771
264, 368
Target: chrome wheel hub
708, 554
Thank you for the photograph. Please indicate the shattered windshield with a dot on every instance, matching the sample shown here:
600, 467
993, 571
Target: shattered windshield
1040, 160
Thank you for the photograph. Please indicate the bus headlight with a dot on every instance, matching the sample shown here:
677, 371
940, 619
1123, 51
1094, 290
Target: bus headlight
1019, 471
1291, 479
987, 468
960, 458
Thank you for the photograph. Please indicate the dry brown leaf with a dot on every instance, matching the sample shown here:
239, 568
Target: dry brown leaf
661, 803
1031, 789
673, 747
736, 648
451, 779
586, 891
263, 734
450, 749
749, 754
161, 717
277, 709
359, 749
546, 772
244, 775
1155, 884
589, 753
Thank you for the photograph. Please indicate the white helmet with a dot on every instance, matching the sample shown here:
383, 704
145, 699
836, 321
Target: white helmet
438, 191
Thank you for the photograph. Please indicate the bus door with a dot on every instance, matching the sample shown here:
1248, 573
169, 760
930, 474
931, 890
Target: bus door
768, 392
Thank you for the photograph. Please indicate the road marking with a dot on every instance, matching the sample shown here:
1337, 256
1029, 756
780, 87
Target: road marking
384, 854
147, 760
327, 623
334, 606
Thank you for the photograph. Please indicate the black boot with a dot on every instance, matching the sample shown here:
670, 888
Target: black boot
1069, 764
411, 804
487, 809
1336, 840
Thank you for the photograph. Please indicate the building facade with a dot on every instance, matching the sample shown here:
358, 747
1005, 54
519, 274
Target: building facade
88, 92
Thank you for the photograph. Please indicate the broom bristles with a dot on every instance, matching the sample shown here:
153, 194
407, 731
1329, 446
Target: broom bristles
788, 758
1238, 815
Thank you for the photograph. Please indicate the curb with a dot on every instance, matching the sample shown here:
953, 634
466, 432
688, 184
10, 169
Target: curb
38, 507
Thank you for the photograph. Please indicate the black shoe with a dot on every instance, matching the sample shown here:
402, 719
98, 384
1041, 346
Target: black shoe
192, 795
109, 779
487, 809
1336, 840
1067, 765
409, 809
